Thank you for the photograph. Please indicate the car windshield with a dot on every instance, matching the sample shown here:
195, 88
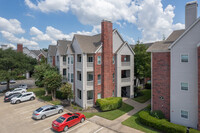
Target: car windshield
39, 109
60, 119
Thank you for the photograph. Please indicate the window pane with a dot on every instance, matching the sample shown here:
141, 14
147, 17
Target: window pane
89, 95
90, 77
184, 86
99, 96
64, 58
68, 60
64, 71
113, 59
184, 58
72, 60
184, 114
99, 79
72, 77
99, 60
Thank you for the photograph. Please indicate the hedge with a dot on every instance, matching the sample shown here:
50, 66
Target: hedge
110, 103
194, 131
20, 77
160, 124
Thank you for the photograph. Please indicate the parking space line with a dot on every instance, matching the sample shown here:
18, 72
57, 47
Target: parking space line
47, 118
98, 130
27, 106
46, 129
77, 126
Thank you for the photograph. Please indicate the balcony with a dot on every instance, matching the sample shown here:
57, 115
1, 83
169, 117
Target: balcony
90, 83
89, 64
64, 63
126, 63
90, 102
126, 79
79, 65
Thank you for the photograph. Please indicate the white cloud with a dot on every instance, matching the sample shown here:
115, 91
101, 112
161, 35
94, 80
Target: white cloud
13, 39
11, 25
8, 45
52, 34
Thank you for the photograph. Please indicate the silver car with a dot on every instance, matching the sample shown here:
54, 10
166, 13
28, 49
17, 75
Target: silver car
47, 110
23, 86
23, 97
16, 90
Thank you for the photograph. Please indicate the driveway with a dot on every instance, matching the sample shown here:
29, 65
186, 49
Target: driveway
16, 118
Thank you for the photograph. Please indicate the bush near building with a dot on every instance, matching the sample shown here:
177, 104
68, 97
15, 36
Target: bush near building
160, 124
110, 103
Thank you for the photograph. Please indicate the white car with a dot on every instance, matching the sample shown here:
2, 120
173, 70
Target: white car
16, 90
23, 97
23, 86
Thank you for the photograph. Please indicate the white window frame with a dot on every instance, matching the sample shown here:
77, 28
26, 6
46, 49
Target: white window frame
184, 117
98, 60
98, 96
186, 83
181, 57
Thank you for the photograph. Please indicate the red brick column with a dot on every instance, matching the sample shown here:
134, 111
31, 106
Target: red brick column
54, 61
198, 51
107, 58
161, 82
20, 48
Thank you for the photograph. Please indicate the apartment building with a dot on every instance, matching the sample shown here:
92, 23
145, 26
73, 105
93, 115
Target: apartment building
176, 72
51, 55
97, 66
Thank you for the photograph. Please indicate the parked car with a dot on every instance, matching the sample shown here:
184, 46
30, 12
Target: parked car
3, 83
9, 97
16, 90
64, 122
48, 110
12, 81
23, 97
23, 86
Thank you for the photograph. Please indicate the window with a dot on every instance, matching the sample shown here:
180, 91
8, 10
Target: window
72, 60
184, 114
99, 79
89, 95
90, 77
68, 76
113, 77
74, 117
72, 77
79, 93
64, 72
184, 86
64, 58
50, 58
68, 60
57, 58
69, 119
184, 58
99, 60
78, 58
99, 96
90, 59
113, 59
79, 75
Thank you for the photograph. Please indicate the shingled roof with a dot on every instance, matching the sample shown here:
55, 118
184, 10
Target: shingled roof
62, 46
89, 44
52, 50
163, 46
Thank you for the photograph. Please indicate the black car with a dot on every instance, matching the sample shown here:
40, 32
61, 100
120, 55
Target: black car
9, 97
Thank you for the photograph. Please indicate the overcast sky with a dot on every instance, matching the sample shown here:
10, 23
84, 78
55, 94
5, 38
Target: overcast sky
38, 23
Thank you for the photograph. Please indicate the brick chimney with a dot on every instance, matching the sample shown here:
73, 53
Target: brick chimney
190, 13
107, 56
20, 47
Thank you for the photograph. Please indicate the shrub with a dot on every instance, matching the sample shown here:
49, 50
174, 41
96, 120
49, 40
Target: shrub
20, 77
59, 95
39, 83
157, 114
148, 86
194, 130
110, 103
160, 124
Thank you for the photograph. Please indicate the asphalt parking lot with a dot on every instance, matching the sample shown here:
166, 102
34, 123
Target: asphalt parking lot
16, 118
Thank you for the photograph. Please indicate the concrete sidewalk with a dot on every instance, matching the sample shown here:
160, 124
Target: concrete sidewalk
116, 125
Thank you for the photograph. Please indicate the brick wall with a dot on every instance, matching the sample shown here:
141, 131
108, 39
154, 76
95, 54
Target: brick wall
107, 58
97, 71
20, 48
161, 82
54, 61
198, 126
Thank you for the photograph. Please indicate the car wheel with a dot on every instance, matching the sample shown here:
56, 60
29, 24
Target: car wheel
43, 117
23, 91
66, 128
32, 98
82, 120
60, 111
17, 102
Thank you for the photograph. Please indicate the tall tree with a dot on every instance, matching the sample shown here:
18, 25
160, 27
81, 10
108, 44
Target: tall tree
52, 81
14, 63
142, 62
67, 92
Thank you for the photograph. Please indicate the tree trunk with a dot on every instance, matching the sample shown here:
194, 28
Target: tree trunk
46, 92
53, 94
8, 85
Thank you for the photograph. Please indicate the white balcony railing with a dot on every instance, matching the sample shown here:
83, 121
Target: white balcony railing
89, 64
64, 63
126, 63
126, 79
79, 65
90, 102
89, 83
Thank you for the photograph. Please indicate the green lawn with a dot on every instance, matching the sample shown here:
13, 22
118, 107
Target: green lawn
111, 115
145, 96
39, 92
133, 122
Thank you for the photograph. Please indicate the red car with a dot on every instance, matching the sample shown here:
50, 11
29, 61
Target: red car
67, 120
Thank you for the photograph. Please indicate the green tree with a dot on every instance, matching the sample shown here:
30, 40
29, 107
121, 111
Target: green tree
52, 81
14, 63
39, 72
142, 62
67, 92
